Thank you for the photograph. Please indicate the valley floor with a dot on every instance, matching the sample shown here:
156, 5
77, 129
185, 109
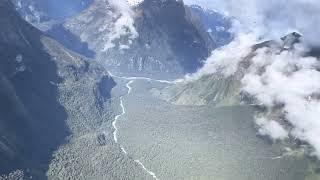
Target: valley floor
180, 142
148, 138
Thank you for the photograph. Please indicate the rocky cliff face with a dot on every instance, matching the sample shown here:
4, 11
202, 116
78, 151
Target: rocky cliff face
36, 78
172, 38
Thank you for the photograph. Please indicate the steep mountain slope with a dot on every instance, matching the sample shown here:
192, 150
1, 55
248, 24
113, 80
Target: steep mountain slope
37, 77
205, 90
216, 24
69, 40
28, 132
172, 39
43, 14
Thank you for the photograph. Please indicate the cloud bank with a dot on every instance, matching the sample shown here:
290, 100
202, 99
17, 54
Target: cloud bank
225, 60
277, 77
292, 82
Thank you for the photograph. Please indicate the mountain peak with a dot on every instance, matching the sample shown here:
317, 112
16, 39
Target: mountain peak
291, 39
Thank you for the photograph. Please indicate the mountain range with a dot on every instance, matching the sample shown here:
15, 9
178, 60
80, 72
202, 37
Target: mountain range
54, 92
66, 67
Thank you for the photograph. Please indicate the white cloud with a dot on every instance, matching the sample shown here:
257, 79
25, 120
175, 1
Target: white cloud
123, 25
271, 128
225, 60
292, 81
134, 2
304, 115
286, 76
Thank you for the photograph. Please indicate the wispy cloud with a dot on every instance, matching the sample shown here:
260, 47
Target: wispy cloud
271, 128
123, 25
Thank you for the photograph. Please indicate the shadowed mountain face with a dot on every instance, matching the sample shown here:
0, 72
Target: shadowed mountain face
33, 68
189, 42
31, 118
172, 38
216, 24
69, 40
